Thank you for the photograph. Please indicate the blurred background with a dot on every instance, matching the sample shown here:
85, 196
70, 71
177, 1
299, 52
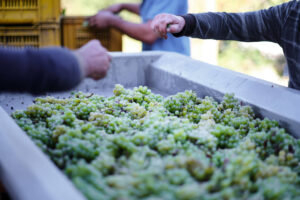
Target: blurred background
263, 60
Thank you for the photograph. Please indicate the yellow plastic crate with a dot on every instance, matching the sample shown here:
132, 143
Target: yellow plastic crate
29, 11
74, 35
30, 36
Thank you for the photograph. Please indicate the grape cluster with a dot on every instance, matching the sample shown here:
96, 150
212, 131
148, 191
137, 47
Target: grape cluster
140, 145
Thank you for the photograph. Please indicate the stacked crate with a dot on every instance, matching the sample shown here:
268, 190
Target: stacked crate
75, 34
32, 23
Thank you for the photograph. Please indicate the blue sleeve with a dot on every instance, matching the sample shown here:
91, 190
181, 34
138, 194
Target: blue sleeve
262, 25
38, 70
151, 8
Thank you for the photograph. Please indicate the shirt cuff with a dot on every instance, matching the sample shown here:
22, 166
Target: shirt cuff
190, 24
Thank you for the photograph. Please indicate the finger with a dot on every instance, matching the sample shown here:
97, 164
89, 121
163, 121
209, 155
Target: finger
109, 58
173, 28
92, 76
158, 34
159, 29
168, 27
162, 28
101, 75
101, 52
166, 24
165, 36
154, 24
107, 62
97, 76
95, 43
162, 35
104, 64
156, 28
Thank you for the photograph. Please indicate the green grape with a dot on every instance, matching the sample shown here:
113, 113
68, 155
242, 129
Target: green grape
140, 145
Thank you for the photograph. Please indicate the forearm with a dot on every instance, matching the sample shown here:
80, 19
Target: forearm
142, 32
37, 71
131, 7
250, 26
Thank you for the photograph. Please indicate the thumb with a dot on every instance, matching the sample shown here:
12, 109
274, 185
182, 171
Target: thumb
173, 28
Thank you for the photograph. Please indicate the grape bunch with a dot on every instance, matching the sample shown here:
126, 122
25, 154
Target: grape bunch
140, 145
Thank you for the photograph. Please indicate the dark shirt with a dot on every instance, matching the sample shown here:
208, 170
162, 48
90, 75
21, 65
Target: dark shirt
38, 70
279, 24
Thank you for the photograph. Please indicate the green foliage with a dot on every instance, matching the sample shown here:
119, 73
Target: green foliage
139, 145
233, 56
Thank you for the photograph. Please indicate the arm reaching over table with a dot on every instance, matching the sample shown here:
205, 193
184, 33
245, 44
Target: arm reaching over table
278, 24
51, 69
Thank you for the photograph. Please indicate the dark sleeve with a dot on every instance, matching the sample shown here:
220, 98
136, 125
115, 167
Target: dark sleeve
38, 70
262, 25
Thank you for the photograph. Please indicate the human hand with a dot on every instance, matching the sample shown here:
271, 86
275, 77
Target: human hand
94, 59
116, 8
164, 23
101, 20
